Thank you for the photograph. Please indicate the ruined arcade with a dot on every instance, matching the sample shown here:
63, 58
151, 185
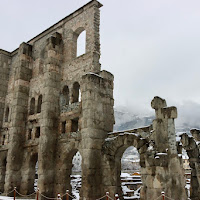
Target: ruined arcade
54, 103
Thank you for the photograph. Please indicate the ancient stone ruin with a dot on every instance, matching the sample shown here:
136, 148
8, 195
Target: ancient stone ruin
44, 120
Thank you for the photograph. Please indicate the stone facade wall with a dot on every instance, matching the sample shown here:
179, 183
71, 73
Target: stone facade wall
41, 121
44, 120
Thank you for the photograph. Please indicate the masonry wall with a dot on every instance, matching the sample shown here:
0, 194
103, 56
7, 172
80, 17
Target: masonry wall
38, 79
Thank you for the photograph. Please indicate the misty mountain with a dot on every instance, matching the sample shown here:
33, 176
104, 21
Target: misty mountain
126, 119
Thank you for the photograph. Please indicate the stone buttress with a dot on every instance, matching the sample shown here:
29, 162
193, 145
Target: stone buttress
5, 61
19, 111
97, 120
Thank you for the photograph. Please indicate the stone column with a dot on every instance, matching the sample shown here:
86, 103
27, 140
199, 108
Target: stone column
28, 172
49, 115
19, 109
5, 61
97, 121
192, 146
164, 170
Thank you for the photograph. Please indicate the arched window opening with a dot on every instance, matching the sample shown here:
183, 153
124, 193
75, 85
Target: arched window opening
81, 43
75, 92
74, 125
63, 127
65, 96
32, 106
130, 173
39, 104
3, 139
7, 114
37, 132
76, 175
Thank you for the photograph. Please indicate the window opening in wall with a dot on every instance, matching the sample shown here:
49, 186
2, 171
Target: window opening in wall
64, 127
65, 96
130, 173
74, 127
37, 133
75, 92
29, 134
81, 43
32, 106
76, 177
3, 139
39, 104
79, 96
7, 114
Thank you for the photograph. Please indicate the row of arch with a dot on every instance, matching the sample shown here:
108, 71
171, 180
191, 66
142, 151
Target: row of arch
32, 109
75, 94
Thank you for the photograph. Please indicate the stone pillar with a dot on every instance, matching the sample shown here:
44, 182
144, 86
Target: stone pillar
191, 145
19, 109
97, 121
49, 115
28, 172
4, 72
164, 170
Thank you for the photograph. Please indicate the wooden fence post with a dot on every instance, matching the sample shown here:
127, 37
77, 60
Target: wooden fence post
116, 197
67, 194
107, 193
14, 192
37, 194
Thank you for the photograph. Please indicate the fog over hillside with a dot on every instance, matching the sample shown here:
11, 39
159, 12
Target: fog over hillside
135, 117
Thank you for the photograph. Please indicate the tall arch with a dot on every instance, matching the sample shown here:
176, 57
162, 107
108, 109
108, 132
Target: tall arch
7, 114
63, 177
32, 106
113, 149
39, 104
81, 44
76, 92
29, 173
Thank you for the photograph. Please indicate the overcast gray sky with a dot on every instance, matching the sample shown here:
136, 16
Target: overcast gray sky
151, 46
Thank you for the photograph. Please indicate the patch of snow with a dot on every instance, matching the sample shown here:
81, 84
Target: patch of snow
159, 154
95, 74
110, 139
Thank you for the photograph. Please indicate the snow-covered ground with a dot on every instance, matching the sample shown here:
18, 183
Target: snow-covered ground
76, 186
129, 181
